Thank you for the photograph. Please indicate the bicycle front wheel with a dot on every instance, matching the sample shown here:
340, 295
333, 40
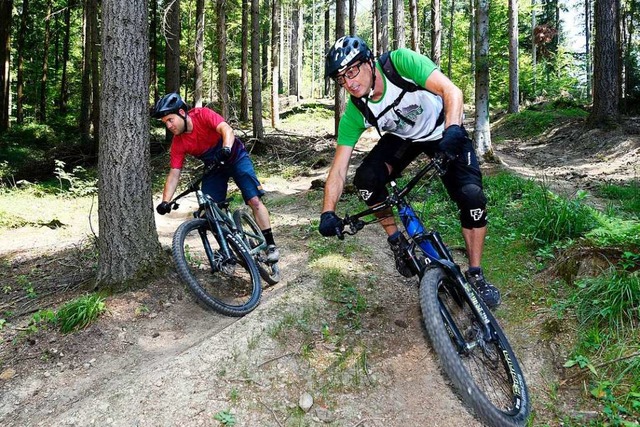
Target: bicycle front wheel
252, 236
485, 372
229, 285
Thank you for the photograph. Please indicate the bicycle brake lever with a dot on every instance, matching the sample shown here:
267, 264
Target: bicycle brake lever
175, 206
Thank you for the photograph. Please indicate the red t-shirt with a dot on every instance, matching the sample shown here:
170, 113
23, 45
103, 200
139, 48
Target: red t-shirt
202, 137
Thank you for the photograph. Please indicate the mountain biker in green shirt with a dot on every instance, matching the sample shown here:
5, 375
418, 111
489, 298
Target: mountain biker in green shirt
423, 121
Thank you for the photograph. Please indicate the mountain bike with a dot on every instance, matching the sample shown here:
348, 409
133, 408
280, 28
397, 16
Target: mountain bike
212, 256
473, 350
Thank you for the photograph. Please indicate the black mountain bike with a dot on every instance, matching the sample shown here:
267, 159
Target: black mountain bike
213, 258
473, 350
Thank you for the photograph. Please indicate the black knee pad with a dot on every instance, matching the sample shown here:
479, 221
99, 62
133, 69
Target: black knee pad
473, 206
370, 180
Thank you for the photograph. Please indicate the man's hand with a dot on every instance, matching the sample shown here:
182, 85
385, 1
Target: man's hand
222, 155
163, 208
330, 224
452, 141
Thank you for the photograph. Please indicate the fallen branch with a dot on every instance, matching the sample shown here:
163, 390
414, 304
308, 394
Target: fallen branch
598, 366
272, 412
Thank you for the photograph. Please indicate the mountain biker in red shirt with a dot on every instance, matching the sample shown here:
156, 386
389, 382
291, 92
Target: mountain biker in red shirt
204, 134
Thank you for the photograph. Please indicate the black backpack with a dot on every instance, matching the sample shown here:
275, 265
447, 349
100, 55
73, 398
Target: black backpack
392, 74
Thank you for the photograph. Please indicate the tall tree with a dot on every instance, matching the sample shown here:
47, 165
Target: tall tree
353, 11
415, 39
42, 111
482, 133
86, 90
199, 54
171, 31
244, 63
275, 64
606, 82
340, 92
221, 10
296, 50
266, 40
128, 243
452, 12
514, 74
436, 31
66, 46
384, 25
587, 44
256, 72
398, 24
153, 51
6, 9
95, 76
534, 46
375, 24
327, 43
24, 16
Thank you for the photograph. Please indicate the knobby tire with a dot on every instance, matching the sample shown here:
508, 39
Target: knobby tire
248, 227
490, 381
233, 286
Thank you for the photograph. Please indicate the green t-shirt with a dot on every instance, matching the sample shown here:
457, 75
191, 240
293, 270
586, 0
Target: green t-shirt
421, 107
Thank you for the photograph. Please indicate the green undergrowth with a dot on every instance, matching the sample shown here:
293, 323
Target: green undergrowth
537, 119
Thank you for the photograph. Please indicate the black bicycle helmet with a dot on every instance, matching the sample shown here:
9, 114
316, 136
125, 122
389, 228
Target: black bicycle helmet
346, 51
171, 103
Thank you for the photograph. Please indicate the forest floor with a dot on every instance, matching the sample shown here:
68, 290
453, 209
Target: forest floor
159, 358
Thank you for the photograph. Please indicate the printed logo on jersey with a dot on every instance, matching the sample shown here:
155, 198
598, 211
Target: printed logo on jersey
365, 194
476, 214
399, 124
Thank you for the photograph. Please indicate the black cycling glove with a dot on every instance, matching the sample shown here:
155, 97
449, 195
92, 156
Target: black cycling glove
222, 155
330, 224
163, 208
452, 141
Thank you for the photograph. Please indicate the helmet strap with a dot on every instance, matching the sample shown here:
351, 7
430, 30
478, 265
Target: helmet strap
373, 78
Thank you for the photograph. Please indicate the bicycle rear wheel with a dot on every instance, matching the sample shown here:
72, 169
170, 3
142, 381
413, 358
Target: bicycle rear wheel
485, 373
229, 286
252, 236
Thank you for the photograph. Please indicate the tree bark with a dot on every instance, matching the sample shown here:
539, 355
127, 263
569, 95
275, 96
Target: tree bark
95, 77
64, 82
6, 8
606, 82
415, 38
244, 63
153, 51
222, 58
24, 16
384, 26
275, 64
256, 72
86, 92
327, 44
514, 73
266, 41
353, 11
482, 134
340, 92
42, 110
296, 50
171, 32
398, 24
199, 54
587, 44
128, 242
452, 11
436, 31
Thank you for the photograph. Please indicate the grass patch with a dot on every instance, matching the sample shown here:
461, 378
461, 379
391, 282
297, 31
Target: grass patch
79, 313
626, 197
538, 119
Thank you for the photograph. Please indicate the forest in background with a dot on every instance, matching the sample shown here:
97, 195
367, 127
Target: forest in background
78, 82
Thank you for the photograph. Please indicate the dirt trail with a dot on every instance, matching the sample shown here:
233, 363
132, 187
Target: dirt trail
160, 359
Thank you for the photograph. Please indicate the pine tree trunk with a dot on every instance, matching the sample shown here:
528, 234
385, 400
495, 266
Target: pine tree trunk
514, 74
199, 57
222, 58
266, 40
452, 10
340, 92
95, 77
294, 69
482, 134
606, 83
128, 243
256, 72
327, 44
415, 39
42, 110
153, 51
64, 82
398, 24
436, 31
171, 33
244, 63
275, 64
353, 11
384, 26
6, 8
